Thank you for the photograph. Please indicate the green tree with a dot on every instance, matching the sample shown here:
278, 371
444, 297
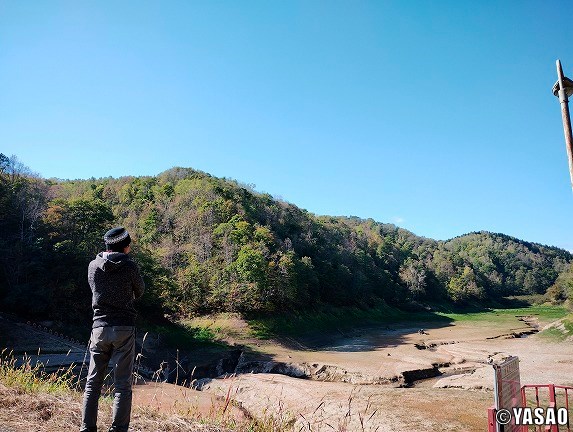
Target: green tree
562, 289
77, 226
464, 286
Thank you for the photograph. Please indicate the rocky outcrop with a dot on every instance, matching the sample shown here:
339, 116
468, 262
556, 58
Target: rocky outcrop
420, 374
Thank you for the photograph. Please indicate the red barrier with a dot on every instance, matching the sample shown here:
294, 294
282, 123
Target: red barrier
552, 396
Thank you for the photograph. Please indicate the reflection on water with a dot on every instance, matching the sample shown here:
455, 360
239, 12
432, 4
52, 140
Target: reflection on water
367, 339
361, 340
350, 345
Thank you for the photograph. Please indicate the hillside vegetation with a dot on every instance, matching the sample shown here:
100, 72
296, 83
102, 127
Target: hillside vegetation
208, 244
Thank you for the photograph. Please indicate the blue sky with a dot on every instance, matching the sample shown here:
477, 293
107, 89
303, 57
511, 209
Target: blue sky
437, 116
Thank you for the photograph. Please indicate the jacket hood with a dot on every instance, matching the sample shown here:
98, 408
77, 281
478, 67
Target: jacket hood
111, 261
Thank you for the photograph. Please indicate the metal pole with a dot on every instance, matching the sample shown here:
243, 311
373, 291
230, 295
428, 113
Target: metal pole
566, 120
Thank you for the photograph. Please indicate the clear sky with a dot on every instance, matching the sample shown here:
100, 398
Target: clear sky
434, 115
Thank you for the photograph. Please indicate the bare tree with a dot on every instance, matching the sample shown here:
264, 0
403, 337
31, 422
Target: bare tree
413, 274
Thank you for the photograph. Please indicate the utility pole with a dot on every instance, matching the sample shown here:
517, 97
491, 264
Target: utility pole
563, 88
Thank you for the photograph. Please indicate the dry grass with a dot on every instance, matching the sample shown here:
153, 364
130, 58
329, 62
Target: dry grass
32, 399
22, 411
43, 412
33, 379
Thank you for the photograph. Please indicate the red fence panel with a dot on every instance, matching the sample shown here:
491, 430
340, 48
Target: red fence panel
548, 396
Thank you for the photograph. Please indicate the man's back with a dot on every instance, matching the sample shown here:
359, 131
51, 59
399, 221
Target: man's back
115, 282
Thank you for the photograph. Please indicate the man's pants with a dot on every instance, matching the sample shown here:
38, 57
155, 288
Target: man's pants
116, 343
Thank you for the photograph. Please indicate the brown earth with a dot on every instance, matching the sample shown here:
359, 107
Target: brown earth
317, 406
456, 401
173, 399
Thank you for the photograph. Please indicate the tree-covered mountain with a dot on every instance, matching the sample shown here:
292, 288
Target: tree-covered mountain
208, 244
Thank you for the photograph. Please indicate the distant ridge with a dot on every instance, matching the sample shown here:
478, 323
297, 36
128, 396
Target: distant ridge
209, 244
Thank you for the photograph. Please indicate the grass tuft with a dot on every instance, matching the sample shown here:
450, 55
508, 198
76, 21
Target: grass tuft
30, 378
542, 312
561, 330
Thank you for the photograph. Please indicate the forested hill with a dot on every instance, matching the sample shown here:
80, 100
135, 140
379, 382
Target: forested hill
207, 244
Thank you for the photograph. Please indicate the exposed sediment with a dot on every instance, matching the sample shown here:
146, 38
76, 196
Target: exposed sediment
315, 371
325, 373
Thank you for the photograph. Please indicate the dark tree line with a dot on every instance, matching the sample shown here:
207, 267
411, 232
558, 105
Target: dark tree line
207, 244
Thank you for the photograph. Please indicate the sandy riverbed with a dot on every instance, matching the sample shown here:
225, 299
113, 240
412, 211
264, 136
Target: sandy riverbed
457, 401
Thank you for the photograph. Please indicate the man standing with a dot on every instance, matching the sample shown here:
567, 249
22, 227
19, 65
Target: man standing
115, 282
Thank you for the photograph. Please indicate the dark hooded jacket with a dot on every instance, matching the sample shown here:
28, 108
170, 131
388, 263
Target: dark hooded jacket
115, 282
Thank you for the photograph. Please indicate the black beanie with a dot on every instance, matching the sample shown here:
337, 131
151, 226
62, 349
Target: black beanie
117, 239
